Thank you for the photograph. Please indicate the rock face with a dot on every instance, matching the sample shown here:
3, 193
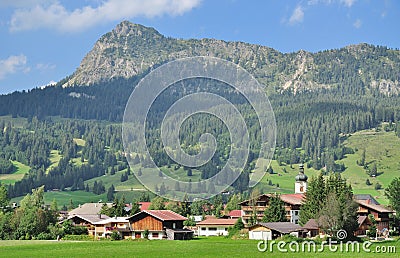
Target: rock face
131, 49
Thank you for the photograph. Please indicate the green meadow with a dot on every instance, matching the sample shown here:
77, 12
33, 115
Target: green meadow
200, 247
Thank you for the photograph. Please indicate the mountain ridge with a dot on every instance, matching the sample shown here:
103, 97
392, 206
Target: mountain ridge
131, 49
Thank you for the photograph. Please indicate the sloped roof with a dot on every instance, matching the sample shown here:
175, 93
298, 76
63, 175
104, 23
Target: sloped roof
375, 207
311, 224
235, 213
362, 219
215, 221
91, 218
294, 199
282, 227
163, 215
144, 205
258, 198
366, 197
88, 209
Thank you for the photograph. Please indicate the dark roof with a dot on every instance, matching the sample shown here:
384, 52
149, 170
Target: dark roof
163, 215
282, 227
375, 207
366, 197
215, 221
311, 224
301, 177
258, 198
90, 217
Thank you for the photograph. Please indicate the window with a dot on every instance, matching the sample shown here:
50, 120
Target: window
212, 229
203, 229
296, 213
155, 235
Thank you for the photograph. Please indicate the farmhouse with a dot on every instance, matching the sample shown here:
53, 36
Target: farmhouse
160, 224
292, 201
105, 227
88, 209
292, 207
214, 227
381, 213
87, 221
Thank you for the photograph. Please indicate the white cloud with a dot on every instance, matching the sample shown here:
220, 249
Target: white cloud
357, 24
348, 3
44, 67
56, 16
13, 64
297, 15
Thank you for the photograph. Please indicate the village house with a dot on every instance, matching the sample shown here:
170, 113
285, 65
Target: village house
88, 209
292, 202
88, 221
311, 228
105, 227
368, 205
214, 227
273, 230
160, 224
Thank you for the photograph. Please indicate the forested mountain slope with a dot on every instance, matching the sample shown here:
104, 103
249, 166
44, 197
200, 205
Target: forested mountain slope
318, 98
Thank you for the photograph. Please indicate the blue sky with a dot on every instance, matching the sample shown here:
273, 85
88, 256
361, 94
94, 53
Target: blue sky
43, 41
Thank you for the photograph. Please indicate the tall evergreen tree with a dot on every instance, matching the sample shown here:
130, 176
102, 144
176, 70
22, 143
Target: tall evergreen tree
275, 212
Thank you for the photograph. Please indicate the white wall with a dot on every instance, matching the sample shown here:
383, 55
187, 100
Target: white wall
260, 235
205, 230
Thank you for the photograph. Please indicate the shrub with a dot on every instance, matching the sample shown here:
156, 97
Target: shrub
78, 237
44, 236
146, 234
115, 235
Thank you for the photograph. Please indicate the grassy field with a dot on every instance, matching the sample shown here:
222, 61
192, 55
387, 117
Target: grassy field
17, 175
54, 159
202, 247
78, 197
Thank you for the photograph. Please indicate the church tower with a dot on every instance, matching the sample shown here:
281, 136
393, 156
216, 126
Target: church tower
301, 181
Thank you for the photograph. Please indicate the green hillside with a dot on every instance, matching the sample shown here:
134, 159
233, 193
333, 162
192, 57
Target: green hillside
380, 146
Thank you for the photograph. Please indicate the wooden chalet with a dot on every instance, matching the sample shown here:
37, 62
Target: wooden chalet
381, 214
105, 227
160, 224
292, 207
87, 221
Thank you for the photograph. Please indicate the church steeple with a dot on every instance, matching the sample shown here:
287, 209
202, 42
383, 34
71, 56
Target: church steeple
301, 181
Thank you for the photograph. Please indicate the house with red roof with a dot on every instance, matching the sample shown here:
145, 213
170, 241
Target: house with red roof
212, 226
292, 204
161, 224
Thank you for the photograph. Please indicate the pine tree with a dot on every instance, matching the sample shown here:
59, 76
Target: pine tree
110, 193
275, 212
314, 199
